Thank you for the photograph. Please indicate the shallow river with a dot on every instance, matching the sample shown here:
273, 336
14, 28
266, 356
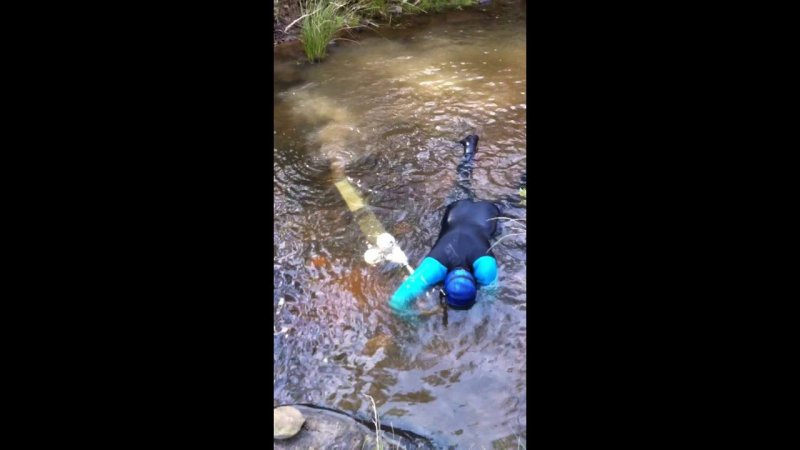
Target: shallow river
390, 108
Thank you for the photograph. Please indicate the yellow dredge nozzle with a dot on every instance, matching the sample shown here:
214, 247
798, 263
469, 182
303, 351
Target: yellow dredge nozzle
349, 194
371, 227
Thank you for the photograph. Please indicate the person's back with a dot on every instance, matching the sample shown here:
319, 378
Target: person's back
467, 227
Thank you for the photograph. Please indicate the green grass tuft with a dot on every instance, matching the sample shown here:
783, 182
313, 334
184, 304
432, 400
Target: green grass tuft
440, 5
323, 19
375, 7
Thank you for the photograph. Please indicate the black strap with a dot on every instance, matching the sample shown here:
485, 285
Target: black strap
443, 304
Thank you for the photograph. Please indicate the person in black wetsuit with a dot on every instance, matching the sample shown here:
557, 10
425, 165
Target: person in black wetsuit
460, 257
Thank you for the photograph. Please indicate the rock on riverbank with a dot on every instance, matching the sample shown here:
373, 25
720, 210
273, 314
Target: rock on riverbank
330, 429
287, 422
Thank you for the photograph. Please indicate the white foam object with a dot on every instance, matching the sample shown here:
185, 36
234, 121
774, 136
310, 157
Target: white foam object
385, 242
373, 256
397, 256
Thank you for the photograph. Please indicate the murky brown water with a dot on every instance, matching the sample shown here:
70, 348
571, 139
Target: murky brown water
390, 108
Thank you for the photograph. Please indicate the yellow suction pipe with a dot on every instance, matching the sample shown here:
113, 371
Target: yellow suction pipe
385, 246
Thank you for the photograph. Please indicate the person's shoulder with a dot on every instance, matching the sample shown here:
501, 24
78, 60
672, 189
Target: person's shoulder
489, 204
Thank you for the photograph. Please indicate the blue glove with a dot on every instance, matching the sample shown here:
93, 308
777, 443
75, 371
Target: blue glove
429, 273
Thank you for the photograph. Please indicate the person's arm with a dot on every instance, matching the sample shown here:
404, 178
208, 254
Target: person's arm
485, 269
429, 272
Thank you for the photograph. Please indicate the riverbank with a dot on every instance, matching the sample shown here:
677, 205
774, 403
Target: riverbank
317, 22
284, 13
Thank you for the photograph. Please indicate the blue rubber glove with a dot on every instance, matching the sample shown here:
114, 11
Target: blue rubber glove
429, 273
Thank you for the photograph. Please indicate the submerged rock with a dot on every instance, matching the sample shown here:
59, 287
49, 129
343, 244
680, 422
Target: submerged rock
376, 343
287, 422
402, 228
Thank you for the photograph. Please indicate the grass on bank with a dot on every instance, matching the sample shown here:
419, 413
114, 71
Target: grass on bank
323, 19
379, 444
441, 5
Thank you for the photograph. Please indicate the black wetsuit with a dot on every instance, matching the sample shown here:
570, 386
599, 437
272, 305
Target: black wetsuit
467, 228
464, 239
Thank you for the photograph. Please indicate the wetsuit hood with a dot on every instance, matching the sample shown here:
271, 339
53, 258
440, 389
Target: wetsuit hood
460, 288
